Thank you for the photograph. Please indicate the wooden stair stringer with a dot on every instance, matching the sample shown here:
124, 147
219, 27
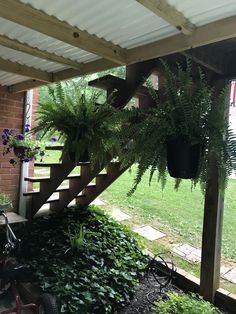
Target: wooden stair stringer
76, 185
136, 74
114, 171
47, 188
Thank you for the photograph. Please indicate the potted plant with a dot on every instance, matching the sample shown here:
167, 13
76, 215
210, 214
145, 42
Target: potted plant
88, 129
5, 201
23, 146
183, 131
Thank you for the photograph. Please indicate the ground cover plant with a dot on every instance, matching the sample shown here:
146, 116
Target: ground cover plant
88, 260
184, 304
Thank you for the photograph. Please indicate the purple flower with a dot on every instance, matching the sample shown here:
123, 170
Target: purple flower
35, 157
20, 137
4, 142
12, 161
36, 148
42, 153
27, 127
7, 131
26, 159
53, 139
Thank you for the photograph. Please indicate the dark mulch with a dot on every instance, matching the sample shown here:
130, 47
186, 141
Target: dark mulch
147, 292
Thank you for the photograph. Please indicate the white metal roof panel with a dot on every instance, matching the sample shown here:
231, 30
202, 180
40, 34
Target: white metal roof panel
9, 78
43, 42
201, 12
29, 60
125, 22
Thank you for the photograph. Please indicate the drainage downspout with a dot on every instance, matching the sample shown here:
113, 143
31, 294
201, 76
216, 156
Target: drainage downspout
25, 165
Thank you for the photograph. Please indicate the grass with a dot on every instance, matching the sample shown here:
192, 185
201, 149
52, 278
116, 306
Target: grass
178, 213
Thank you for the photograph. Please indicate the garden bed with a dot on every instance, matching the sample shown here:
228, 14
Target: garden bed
148, 293
92, 263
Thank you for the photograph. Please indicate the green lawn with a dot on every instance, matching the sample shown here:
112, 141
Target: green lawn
178, 213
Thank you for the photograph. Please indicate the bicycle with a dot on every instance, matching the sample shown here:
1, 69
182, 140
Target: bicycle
12, 273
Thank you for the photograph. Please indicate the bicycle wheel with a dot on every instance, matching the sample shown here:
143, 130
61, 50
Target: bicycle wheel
47, 304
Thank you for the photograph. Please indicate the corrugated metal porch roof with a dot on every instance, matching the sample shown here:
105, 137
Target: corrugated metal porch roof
125, 23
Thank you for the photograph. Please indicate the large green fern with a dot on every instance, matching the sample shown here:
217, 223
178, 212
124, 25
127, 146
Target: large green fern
84, 125
190, 108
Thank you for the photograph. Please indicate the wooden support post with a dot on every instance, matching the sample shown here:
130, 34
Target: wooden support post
212, 228
211, 238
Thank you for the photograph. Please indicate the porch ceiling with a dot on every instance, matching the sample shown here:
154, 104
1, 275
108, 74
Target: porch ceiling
46, 41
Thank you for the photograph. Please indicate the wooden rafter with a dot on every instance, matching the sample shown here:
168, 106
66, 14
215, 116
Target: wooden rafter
206, 62
23, 47
203, 35
168, 13
17, 68
91, 67
37, 20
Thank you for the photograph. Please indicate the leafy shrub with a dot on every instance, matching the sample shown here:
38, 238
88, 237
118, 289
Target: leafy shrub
4, 199
184, 304
88, 260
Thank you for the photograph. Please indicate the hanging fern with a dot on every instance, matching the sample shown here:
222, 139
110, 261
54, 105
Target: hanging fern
85, 126
189, 108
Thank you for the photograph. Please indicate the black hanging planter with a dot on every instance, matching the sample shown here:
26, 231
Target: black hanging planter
182, 158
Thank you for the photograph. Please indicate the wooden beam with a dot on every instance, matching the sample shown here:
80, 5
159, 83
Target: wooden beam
23, 47
17, 68
91, 67
203, 35
37, 20
169, 13
205, 61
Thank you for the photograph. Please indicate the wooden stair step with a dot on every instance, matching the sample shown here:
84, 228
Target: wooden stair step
37, 179
101, 175
13, 218
42, 179
56, 199
60, 188
52, 200
111, 82
47, 164
55, 147
73, 176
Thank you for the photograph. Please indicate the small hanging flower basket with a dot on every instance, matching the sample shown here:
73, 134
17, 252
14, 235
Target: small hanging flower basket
23, 146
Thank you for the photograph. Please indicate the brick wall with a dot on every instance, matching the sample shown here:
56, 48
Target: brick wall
12, 116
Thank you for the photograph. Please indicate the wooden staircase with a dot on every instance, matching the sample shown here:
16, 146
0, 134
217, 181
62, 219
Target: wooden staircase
90, 182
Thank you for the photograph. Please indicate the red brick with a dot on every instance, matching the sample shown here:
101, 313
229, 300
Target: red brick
11, 116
